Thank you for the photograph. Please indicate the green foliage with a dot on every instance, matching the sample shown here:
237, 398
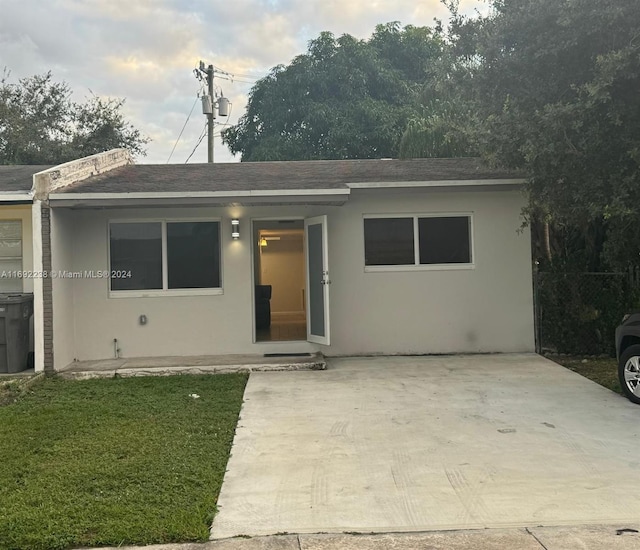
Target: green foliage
115, 462
579, 312
557, 95
344, 98
40, 124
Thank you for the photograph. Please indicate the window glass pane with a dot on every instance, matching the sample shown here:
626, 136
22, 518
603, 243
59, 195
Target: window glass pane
11, 229
10, 248
136, 247
7, 283
193, 254
445, 240
388, 241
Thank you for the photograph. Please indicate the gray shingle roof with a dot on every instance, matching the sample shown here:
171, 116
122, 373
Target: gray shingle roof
286, 175
18, 178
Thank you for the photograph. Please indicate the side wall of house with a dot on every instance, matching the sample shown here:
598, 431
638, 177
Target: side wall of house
484, 309
62, 261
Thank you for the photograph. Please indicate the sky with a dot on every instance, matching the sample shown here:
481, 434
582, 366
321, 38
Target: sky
146, 50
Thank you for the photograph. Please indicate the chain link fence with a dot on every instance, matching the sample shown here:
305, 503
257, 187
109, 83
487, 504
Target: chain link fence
577, 313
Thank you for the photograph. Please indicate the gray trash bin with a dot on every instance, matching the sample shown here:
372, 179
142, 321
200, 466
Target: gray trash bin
15, 312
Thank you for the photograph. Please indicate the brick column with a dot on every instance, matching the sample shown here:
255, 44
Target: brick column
47, 289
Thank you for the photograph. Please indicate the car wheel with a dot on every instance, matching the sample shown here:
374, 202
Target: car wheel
629, 373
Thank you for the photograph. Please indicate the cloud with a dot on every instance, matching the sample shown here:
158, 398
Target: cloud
146, 50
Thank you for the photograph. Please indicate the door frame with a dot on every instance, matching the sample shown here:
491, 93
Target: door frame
322, 220
254, 334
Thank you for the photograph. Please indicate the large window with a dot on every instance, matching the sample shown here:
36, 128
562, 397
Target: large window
165, 255
418, 241
10, 255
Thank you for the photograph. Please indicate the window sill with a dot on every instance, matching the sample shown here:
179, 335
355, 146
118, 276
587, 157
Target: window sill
165, 293
426, 267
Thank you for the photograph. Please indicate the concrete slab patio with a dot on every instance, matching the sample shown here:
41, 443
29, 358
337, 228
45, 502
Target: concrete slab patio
198, 364
399, 444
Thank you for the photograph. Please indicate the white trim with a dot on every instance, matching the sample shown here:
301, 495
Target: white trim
322, 221
436, 183
165, 291
417, 266
199, 194
159, 293
8, 196
420, 267
38, 288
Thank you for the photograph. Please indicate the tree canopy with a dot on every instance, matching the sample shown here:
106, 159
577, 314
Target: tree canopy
552, 88
343, 98
40, 124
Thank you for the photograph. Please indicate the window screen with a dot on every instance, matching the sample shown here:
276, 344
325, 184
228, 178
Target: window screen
136, 248
388, 241
444, 240
193, 254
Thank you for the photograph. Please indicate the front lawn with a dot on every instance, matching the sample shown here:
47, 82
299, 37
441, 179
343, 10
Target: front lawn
114, 462
603, 370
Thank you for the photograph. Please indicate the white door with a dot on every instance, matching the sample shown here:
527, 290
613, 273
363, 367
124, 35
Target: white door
318, 280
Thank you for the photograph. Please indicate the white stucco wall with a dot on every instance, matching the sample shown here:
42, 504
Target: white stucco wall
62, 260
485, 309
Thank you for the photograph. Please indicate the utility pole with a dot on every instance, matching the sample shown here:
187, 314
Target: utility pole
212, 103
211, 115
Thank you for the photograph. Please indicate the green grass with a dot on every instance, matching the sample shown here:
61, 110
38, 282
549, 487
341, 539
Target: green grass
13, 388
113, 462
602, 370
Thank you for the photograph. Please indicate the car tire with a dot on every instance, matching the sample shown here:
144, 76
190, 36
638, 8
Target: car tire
629, 373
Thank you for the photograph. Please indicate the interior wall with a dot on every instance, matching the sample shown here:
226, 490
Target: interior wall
282, 266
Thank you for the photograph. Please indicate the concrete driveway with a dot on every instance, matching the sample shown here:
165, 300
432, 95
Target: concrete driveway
429, 443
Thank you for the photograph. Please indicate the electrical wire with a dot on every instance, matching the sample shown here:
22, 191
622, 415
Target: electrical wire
204, 133
183, 127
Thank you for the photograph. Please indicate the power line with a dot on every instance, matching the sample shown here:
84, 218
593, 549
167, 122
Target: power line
204, 133
183, 127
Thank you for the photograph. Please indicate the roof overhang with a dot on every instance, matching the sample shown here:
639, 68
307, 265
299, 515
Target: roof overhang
266, 197
201, 198
20, 197
436, 183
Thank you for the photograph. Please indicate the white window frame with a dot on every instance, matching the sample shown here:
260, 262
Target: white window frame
165, 291
417, 266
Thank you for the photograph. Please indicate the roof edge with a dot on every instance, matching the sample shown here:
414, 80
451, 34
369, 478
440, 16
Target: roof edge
62, 175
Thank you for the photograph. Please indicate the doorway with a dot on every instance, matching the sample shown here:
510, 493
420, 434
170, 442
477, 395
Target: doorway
280, 280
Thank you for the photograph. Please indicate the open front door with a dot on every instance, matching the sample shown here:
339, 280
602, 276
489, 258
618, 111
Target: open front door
317, 280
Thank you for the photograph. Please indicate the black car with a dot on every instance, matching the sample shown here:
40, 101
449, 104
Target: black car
628, 353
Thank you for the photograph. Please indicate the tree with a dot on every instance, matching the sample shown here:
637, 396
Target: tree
550, 87
344, 98
40, 124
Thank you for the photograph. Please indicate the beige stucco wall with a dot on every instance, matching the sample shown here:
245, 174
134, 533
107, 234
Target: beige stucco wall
485, 309
22, 212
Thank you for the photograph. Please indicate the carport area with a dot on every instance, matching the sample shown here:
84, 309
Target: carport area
391, 444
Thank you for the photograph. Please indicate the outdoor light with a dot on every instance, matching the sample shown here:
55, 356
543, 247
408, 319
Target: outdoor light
235, 229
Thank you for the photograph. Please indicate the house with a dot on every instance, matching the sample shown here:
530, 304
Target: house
344, 257
18, 257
